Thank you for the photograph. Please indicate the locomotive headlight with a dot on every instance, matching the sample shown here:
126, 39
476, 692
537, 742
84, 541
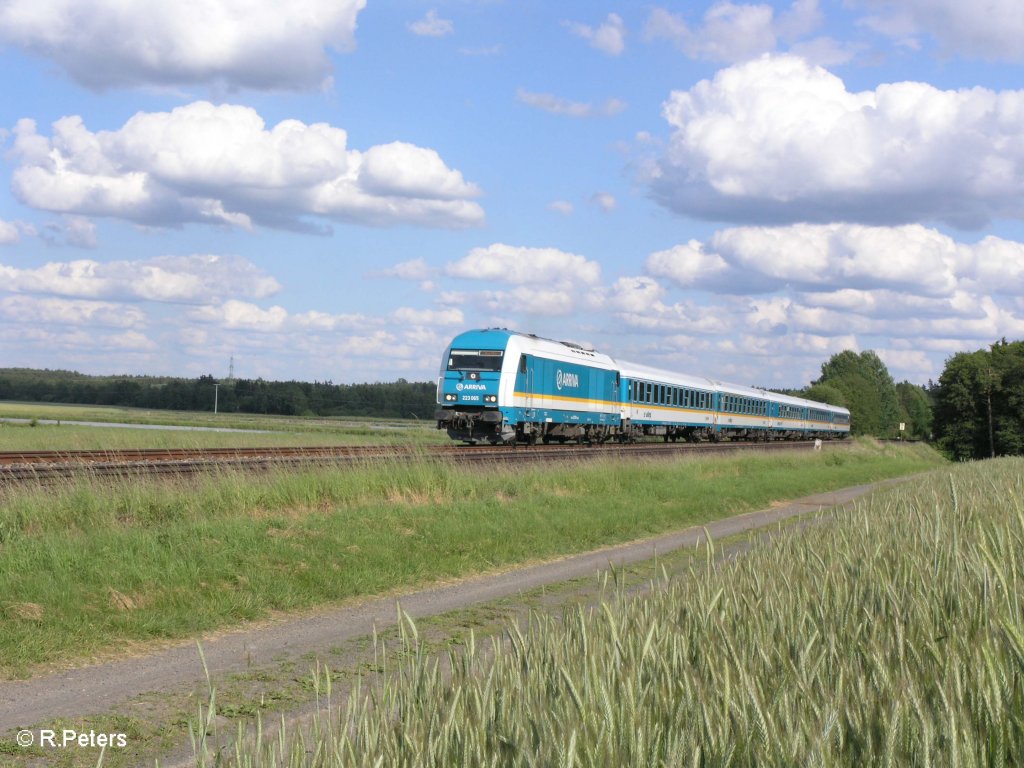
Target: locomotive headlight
490, 398
450, 398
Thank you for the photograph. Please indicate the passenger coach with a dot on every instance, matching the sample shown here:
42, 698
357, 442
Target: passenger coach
499, 386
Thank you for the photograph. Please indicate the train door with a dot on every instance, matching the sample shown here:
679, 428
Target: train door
526, 375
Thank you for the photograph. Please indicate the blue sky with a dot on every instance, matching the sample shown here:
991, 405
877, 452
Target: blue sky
331, 189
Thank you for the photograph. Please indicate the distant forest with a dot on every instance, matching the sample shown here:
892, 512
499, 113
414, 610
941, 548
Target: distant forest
399, 399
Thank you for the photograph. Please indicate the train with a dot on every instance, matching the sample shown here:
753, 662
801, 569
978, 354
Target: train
498, 386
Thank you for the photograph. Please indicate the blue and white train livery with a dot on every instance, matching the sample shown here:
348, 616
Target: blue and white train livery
499, 386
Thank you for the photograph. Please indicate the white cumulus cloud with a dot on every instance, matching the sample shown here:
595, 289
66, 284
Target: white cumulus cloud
199, 278
845, 260
609, 37
559, 106
992, 30
523, 265
432, 25
8, 233
36, 310
243, 315
732, 32
419, 317
256, 44
222, 165
687, 265
759, 142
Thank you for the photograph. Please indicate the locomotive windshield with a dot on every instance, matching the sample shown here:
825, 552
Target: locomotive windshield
475, 360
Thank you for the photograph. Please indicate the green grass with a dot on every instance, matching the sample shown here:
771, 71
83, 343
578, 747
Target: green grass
272, 430
88, 568
892, 636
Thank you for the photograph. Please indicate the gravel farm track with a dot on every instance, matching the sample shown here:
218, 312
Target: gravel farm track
23, 466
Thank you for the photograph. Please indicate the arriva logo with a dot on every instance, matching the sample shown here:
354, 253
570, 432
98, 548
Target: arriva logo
460, 386
565, 379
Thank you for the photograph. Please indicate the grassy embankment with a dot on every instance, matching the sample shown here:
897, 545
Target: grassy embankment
88, 568
893, 637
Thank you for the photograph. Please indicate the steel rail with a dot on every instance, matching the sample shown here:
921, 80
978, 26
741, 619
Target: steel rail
48, 466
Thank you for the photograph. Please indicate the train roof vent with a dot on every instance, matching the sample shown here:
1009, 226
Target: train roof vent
574, 345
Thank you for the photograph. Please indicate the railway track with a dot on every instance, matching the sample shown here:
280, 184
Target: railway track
23, 466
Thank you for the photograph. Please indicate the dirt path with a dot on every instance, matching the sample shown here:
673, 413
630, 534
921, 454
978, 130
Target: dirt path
103, 687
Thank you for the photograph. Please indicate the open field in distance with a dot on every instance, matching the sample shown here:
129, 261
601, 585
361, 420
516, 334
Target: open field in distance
87, 568
894, 636
266, 430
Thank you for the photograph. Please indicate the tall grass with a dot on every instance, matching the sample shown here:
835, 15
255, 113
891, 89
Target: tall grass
893, 636
90, 566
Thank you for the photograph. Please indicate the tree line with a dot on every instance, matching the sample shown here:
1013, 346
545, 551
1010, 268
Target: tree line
398, 399
974, 411
979, 403
878, 405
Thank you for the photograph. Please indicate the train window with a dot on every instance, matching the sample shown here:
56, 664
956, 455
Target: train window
475, 360
647, 395
522, 363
